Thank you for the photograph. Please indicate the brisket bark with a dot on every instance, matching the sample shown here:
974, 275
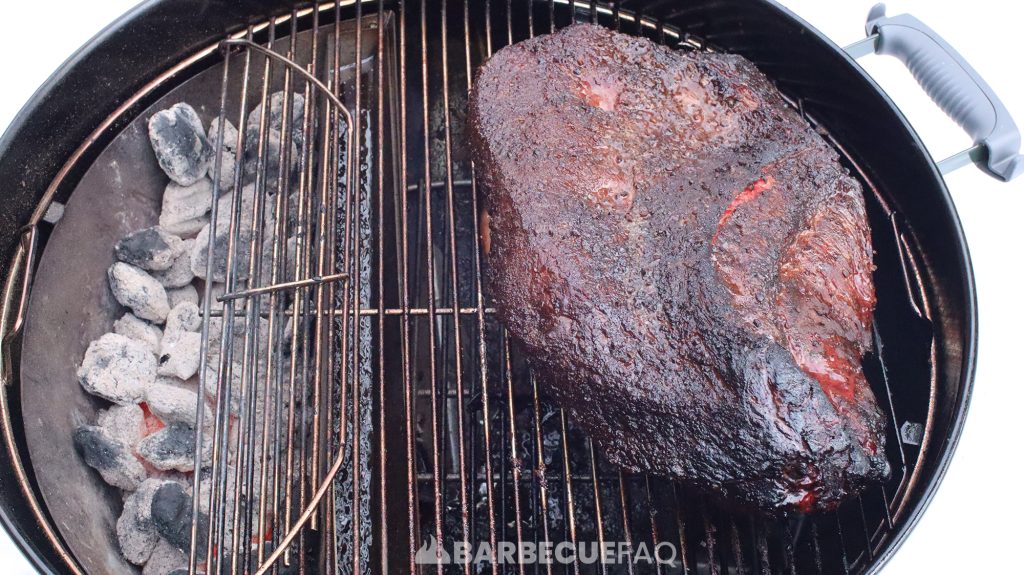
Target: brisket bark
685, 263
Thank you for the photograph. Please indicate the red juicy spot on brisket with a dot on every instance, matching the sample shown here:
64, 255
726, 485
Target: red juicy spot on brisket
749, 193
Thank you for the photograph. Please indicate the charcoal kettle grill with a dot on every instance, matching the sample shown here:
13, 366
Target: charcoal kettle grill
402, 413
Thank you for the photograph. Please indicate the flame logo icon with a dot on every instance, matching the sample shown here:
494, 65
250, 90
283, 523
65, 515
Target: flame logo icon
430, 553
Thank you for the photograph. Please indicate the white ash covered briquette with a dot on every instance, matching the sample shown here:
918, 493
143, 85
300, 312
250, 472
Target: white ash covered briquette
273, 120
185, 208
184, 317
217, 289
245, 198
139, 291
130, 326
184, 294
290, 207
230, 142
237, 337
191, 383
113, 459
257, 381
212, 384
221, 237
273, 129
180, 144
171, 511
151, 249
243, 238
123, 423
207, 483
179, 353
136, 531
271, 158
166, 559
257, 462
180, 273
118, 369
175, 402
229, 155
173, 448
286, 251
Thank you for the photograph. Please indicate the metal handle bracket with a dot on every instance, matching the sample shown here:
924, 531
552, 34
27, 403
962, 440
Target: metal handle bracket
954, 85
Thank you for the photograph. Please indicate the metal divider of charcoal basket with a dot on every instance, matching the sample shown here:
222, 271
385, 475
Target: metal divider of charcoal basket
218, 492
306, 456
245, 456
279, 261
330, 518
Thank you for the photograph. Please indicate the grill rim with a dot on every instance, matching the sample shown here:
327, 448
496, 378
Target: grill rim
49, 102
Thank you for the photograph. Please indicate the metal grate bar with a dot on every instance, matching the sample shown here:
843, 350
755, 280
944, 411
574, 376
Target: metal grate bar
681, 528
382, 412
435, 407
454, 285
567, 486
410, 430
354, 155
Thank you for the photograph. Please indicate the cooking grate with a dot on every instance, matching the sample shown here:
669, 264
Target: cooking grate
401, 413
284, 249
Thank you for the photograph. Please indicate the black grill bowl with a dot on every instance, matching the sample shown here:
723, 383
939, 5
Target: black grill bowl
922, 368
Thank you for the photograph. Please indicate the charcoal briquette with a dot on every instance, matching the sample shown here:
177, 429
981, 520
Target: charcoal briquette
123, 423
139, 291
180, 273
151, 249
172, 448
185, 208
113, 459
130, 326
174, 403
117, 369
166, 559
184, 294
171, 510
184, 317
228, 154
180, 144
136, 531
179, 353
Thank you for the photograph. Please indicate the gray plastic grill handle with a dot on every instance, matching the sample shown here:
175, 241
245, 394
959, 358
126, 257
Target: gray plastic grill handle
954, 85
